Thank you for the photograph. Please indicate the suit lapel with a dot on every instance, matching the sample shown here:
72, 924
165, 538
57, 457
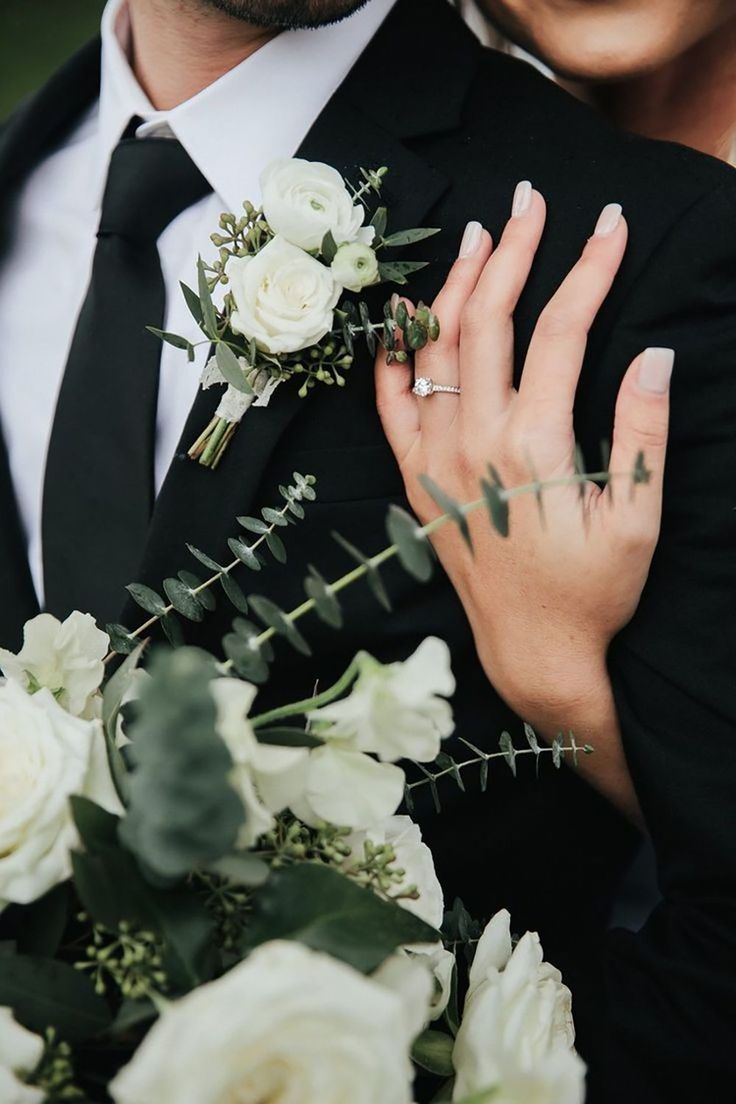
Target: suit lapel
31, 133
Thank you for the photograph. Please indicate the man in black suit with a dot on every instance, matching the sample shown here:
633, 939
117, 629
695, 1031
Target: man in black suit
458, 126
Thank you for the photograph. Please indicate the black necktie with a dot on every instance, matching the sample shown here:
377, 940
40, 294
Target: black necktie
99, 483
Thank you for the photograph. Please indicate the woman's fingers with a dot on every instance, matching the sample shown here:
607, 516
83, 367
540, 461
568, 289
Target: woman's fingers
397, 406
438, 360
487, 338
640, 430
557, 349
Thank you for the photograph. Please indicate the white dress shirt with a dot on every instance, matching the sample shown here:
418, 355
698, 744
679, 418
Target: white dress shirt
260, 110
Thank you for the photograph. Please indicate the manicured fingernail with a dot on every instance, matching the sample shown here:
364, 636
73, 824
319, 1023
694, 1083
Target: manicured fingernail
394, 302
655, 370
471, 240
608, 220
522, 199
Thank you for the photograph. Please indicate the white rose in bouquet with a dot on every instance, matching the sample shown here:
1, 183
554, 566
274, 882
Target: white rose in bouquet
303, 200
517, 1032
46, 756
65, 657
355, 266
397, 710
266, 777
288, 1023
284, 299
20, 1053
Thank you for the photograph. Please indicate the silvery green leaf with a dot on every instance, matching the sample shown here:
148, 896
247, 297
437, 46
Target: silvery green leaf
326, 603
276, 547
204, 558
433, 1052
192, 301
373, 576
231, 368
209, 317
248, 661
244, 553
498, 507
273, 517
120, 639
448, 505
413, 548
170, 338
277, 620
506, 745
409, 237
172, 630
395, 272
328, 248
253, 525
234, 592
379, 222
146, 598
182, 599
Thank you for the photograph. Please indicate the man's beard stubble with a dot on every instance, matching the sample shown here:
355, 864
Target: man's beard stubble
286, 14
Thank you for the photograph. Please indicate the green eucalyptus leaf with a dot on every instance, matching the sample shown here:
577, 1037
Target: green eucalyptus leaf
326, 603
506, 744
365, 321
244, 553
121, 641
231, 368
273, 517
448, 505
234, 592
396, 272
209, 317
146, 598
373, 575
172, 630
204, 559
279, 621
328, 248
276, 547
253, 525
409, 237
317, 906
170, 338
45, 993
497, 505
192, 301
433, 1052
285, 736
414, 550
181, 597
379, 223
249, 662
183, 810
205, 597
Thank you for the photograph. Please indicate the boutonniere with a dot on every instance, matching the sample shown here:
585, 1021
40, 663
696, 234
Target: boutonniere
290, 271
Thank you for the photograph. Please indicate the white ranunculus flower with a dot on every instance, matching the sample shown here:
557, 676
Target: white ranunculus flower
46, 756
288, 1023
347, 788
265, 777
517, 1033
64, 656
20, 1053
355, 266
303, 200
284, 299
398, 710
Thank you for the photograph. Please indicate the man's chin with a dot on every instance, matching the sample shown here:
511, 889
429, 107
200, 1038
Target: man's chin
286, 14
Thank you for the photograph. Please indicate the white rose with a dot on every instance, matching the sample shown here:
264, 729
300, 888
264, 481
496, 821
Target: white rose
288, 1023
517, 1032
303, 200
395, 710
65, 657
265, 777
355, 266
20, 1053
46, 755
284, 299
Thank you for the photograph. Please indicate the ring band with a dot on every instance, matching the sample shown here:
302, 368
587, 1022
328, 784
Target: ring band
424, 387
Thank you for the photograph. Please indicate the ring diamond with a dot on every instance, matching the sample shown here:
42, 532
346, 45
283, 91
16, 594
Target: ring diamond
424, 386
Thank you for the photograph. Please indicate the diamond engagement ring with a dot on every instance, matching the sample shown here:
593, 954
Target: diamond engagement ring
424, 387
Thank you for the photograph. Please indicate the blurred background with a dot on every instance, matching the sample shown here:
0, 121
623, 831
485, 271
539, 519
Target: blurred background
35, 37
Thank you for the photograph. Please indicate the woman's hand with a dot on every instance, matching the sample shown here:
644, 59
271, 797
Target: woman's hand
545, 602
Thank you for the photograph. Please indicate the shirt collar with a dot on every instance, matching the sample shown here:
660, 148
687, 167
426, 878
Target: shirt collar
263, 107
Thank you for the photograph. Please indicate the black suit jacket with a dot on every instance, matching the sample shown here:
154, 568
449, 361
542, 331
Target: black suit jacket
459, 126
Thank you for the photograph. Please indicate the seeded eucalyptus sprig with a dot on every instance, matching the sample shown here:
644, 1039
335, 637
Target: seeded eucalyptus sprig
192, 597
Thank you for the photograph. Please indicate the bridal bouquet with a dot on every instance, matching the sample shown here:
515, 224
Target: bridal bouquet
286, 268
203, 902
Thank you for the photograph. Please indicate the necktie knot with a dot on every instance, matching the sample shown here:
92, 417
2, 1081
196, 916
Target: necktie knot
150, 181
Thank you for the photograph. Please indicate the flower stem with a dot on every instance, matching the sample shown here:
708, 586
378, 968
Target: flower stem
300, 708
